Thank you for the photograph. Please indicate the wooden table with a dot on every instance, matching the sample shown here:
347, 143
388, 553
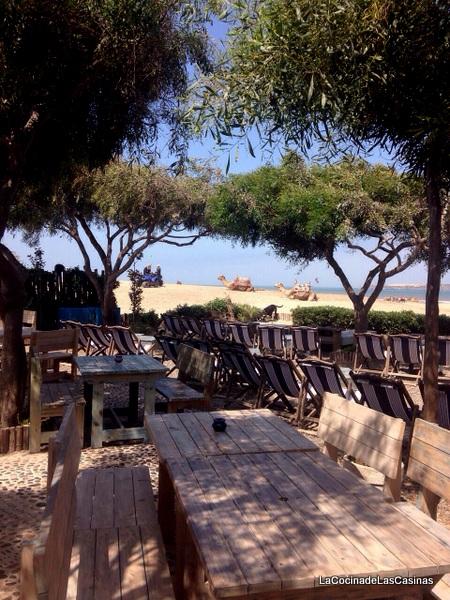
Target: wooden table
275, 525
191, 434
98, 370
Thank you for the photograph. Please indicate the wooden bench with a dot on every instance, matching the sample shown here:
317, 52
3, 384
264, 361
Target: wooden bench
192, 364
429, 465
99, 537
365, 434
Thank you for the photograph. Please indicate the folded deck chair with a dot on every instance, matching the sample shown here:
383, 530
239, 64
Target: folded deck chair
305, 341
216, 330
169, 346
281, 380
192, 326
271, 340
405, 351
173, 325
239, 367
443, 417
202, 345
444, 352
370, 349
99, 340
320, 377
388, 395
243, 333
124, 341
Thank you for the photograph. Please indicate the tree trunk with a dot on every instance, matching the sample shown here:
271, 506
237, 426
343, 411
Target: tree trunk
361, 316
431, 357
108, 305
13, 375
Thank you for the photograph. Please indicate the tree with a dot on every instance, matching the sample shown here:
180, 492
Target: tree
363, 73
308, 213
80, 82
136, 207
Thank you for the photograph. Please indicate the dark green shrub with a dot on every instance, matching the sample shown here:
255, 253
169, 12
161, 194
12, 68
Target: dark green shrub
246, 312
146, 322
197, 311
381, 321
218, 306
324, 316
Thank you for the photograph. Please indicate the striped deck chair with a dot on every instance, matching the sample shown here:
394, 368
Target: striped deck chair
242, 333
192, 326
370, 349
444, 351
240, 368
202, 345
271, 340
305, 341
169, 346
281, 380
405, 350
443, 417
320, 377
173, 325
83, 339
216, 330
388, 395
125, 341
99, 340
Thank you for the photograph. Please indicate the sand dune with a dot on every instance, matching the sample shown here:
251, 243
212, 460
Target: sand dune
171, 295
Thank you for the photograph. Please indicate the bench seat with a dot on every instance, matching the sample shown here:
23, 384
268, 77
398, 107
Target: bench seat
117, 548
179, 395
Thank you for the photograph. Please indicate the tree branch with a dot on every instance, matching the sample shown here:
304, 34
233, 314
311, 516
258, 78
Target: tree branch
329, 254
91, 237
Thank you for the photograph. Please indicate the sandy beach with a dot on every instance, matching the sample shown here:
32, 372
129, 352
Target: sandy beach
171, 295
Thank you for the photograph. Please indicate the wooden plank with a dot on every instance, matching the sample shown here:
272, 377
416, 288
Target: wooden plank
180, 436
255, 565
203, 438
144, 503
295, 525
107, 565
157, 573
80, 585
161, 437
348, 522
300, 441
432, 434
124, 510
430, 466
441, 590
97, 415
421, 553
103, 500
223, 440
176, 390
437, 530
85, 487
290, 566
237, 429
133, 582
222, 569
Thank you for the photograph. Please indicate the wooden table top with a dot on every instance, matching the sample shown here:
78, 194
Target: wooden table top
101, 366
268, 522
191, 434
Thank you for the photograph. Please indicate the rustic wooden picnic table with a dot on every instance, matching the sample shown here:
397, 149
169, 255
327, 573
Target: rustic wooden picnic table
281, 525
95, 371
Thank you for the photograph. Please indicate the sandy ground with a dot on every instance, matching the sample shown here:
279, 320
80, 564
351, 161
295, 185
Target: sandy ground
171, 295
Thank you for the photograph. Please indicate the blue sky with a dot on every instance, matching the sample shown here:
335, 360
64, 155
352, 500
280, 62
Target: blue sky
208, 258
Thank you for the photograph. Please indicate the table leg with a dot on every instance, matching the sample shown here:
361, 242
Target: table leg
97, 415
87, 394
180, 552
166, 506
149, 397
133, 404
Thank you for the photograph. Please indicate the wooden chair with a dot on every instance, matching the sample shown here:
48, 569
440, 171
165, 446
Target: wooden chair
239, 367
405, 351
173, 325
48, 400
281, 380
365, 434
242, 333
169, 347
215, 330
194, 365
99, 340
124, 341
89, 522
53, 348
429, 465
83, 339
272, 340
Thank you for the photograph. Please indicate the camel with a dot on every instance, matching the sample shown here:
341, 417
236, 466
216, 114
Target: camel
298, 292
240, 284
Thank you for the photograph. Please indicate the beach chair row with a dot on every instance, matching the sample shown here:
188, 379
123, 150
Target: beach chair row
97, 340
